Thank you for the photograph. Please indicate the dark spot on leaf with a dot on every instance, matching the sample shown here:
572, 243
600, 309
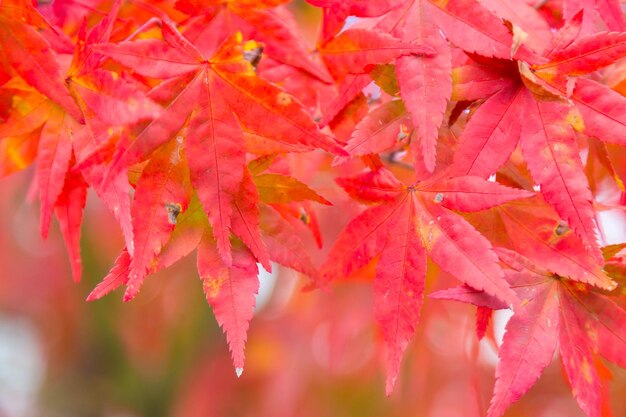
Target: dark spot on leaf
173, 210
304, 217
253, 56
561, 229
403, 133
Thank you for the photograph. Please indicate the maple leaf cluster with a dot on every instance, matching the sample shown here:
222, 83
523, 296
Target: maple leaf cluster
484, 135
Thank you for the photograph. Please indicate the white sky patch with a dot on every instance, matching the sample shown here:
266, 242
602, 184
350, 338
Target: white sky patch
350, 21
500, 319
488, 354
613, 225
267, 282
21, 367
372, 91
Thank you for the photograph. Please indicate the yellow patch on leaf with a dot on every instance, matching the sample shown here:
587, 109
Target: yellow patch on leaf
575, 119
283, 99
213, 285
585, 369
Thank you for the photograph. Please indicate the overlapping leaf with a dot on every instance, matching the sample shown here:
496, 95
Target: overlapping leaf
424, 81
532, 228
409, 223
556, 311
545, 125
214, 22
207, 94
169, 223
336, 12
472, 27
29, 54
469, 88
354, 49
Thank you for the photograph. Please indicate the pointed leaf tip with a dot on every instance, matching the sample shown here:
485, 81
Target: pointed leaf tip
389, 385
117, 276
131, 292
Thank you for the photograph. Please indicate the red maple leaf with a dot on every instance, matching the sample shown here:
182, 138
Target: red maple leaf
556, 311
189, 120
533, 109
408, 223
202, 99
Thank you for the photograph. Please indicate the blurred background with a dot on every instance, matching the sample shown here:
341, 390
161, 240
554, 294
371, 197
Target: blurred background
308, 353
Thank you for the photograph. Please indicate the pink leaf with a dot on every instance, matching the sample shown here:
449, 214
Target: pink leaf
380, 130
372, 186
425, 82
603, 111
399, 287
245, 220
550, 150
53, 159
460, 250
348, 89
469, 295
162, 193
577, 356
491, 135
585, 55
216, 164
472, 27
283, 245
472, 193
69, 212
529, 342
117, 277
359, 242
353, 49
231, 292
